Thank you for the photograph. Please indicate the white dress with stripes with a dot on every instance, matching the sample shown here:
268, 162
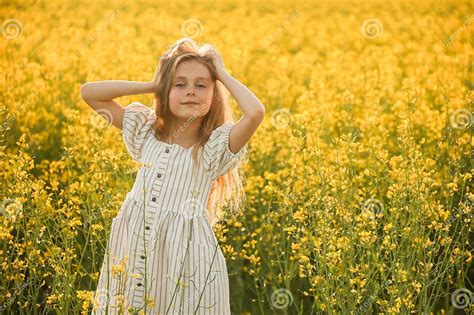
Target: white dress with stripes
162, 249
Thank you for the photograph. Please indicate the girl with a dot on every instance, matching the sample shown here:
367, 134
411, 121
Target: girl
162, 255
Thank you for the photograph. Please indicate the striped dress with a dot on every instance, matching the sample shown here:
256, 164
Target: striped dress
162, 255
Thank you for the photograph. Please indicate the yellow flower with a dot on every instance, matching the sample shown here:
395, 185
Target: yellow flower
295, 246
87, 297
54, 298
452, 186
150, 303
299, 215
290, 229
469, 257
96, 227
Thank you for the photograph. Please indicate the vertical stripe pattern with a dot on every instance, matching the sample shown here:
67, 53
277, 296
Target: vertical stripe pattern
162, 255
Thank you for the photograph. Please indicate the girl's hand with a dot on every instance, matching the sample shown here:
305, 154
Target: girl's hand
211, 51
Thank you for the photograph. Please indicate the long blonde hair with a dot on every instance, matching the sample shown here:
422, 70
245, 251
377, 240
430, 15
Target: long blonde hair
227, 190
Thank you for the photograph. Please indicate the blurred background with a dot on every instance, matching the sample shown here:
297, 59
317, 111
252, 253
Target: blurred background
359, 181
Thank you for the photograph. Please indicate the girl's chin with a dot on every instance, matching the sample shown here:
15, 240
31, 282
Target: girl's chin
189, 114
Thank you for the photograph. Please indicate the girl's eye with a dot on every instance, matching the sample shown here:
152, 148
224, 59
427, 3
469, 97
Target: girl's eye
180, 84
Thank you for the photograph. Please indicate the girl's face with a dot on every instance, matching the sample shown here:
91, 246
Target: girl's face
191, 83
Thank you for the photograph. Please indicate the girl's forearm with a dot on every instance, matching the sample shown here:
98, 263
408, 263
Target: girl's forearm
248, 102
110, 89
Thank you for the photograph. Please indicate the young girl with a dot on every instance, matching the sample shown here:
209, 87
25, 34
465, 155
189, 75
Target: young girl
162, 255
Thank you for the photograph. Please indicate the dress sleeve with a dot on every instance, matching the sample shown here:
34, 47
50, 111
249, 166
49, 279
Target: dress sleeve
218, 159
135, 127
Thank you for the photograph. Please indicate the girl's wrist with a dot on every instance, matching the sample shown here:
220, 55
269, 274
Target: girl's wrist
223, 75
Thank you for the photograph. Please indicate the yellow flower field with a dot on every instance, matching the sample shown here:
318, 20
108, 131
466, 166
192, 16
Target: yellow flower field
358, 183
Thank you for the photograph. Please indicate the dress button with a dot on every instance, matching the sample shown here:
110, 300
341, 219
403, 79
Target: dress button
167, 150
142, 257
147, 227
153, 199
139, 284
159, 175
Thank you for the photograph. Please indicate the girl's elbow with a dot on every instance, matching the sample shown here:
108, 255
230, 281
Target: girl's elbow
257, 116
84, 88
259, 113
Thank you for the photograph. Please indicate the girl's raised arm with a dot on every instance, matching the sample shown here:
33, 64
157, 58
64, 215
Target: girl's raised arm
100, 96
253, 109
